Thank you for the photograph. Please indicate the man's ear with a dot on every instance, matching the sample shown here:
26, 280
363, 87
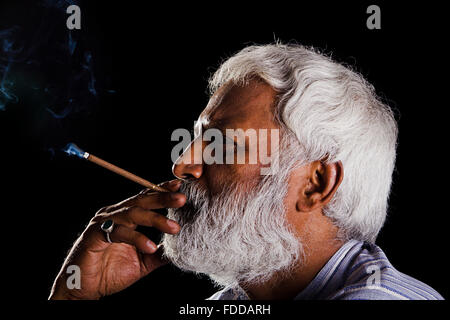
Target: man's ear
323, 179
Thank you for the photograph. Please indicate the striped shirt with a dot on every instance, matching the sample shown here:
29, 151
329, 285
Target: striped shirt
357, 271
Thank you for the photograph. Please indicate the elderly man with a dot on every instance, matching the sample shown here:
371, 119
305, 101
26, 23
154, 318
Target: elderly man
304, 231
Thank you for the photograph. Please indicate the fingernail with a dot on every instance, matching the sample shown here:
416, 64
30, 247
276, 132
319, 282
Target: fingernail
175, 182
175, 196
172, 224
145, 191
151, 245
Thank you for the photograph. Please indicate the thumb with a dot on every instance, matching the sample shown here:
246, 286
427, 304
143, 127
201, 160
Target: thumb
154, 260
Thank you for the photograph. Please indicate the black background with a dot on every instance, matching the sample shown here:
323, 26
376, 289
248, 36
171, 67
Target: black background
157, 59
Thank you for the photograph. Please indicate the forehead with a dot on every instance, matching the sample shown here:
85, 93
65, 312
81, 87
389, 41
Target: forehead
241, 106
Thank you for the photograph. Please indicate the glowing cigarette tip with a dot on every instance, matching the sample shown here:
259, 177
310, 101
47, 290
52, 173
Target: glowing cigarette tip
73, 150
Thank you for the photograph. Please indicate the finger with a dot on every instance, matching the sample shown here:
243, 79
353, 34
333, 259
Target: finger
155, 260
160, 200
172, 185
134, 216
140, 199
123, 234
122, 204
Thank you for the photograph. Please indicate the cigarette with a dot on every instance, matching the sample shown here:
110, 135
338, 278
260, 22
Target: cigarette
73, 149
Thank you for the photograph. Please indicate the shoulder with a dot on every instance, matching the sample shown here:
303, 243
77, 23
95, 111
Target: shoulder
372, 277
230, 293
216, 296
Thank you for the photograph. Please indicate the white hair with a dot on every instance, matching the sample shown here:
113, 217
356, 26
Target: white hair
236, 236
335, 115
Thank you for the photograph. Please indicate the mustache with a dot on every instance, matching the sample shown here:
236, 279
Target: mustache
194, 192
198, 195
187, 186
196, 198
199, 198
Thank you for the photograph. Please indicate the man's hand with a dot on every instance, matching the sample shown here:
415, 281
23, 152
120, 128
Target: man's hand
107, 268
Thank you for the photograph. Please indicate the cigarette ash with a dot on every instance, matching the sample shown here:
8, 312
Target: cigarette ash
73, 150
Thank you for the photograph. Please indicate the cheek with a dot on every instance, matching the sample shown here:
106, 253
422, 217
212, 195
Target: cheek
290, 203
294, 218
219, 175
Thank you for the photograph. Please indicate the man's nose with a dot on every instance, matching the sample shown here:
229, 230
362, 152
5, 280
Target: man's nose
190, 164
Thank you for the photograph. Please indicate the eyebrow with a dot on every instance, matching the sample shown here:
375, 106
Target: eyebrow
220, 124
205, 123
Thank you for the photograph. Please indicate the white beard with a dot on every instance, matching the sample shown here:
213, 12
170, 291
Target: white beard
234, 237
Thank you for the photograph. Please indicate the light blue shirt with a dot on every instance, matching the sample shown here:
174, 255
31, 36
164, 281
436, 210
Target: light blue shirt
357, 271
